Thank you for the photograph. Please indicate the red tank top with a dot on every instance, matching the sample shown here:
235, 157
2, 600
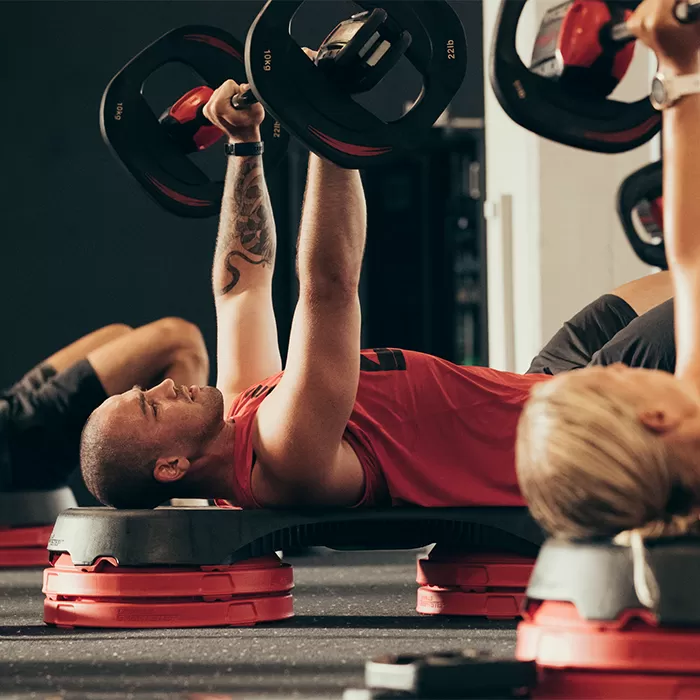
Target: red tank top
428, 432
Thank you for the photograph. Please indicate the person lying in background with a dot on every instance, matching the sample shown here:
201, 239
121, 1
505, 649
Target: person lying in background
616, 450
43, 414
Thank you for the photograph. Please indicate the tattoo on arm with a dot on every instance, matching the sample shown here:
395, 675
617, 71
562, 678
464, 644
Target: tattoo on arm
234, 271
247, 231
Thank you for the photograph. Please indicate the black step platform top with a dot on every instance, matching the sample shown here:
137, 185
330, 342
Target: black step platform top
598, 578
33, 508
217, 536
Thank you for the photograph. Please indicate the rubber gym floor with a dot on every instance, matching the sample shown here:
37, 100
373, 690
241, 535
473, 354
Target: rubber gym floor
350, 606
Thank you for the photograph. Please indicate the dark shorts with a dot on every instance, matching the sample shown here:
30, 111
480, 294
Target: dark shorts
609, 331
44, 417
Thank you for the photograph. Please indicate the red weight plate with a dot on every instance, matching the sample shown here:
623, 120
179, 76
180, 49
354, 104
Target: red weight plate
241, 612
585, 685
104, 580
493, 605
475, 571
23, 557
657, 212
26, 537
555, 636
579, 36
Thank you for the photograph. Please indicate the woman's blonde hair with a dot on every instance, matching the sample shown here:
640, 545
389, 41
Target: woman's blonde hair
589, 467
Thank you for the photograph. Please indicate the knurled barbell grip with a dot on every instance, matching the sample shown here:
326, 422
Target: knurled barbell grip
243, 100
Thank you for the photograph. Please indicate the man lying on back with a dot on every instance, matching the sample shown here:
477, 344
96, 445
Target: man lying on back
340, 426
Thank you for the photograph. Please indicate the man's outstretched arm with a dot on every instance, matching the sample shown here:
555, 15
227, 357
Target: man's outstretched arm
301, 424
247, 346
678, 49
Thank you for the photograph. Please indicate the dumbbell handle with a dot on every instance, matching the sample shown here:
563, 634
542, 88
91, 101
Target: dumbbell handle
243, 100
686, 12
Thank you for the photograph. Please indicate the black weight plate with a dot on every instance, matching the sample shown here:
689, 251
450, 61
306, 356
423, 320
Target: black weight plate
324, 117
137, 139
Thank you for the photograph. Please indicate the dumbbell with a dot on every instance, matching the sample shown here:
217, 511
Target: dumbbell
587, 52
356, 55
314, 100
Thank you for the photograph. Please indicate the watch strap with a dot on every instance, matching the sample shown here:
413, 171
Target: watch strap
254, 148
683, 85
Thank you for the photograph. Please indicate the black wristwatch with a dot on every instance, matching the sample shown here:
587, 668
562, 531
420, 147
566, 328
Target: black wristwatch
255, 148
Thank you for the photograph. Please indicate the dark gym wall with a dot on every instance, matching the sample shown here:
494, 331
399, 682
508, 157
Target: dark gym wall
81, 246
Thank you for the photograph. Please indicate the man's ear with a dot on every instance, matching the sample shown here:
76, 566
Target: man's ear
169, 469
659, 420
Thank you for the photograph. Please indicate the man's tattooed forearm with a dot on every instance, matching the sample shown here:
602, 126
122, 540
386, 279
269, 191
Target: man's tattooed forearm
250, 235
234, 271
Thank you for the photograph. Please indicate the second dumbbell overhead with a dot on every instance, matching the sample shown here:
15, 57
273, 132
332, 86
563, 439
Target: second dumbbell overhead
582, 51
587, 45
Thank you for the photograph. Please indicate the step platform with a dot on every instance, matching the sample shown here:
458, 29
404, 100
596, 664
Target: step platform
153, 568
590, 635
584, 632
26, 522
473, 584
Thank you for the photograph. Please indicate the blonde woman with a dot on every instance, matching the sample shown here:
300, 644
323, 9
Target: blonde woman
611, 449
